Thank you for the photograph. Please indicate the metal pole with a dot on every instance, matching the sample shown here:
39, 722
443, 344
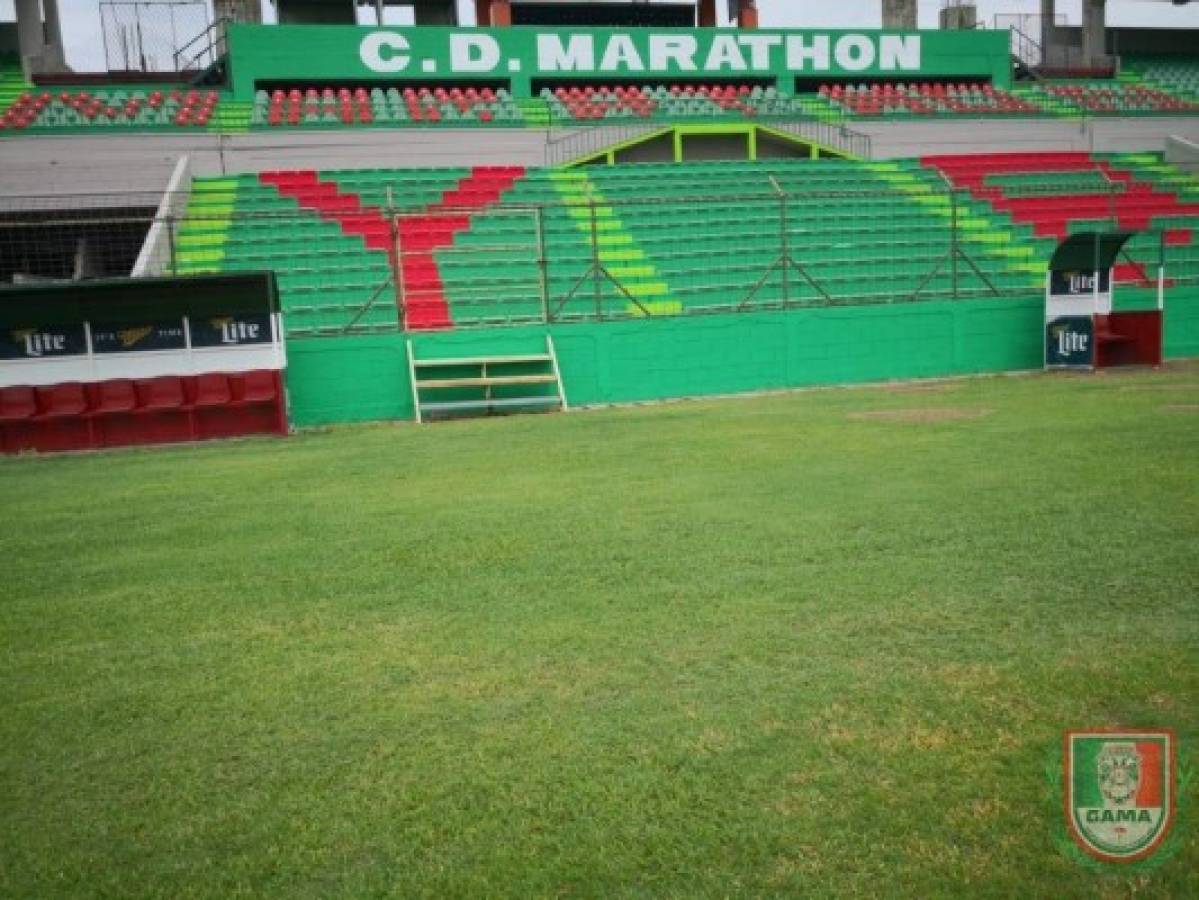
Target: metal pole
595, 261
171, 243
393, 258
953, 240
786, 249
1161, 269
542, 264
784, 239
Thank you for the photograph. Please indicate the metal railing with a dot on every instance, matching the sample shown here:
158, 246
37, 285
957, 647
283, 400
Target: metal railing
581, 142
148, 37
204, 49
590, 140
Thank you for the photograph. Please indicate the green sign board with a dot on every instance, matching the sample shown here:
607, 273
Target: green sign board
519, 55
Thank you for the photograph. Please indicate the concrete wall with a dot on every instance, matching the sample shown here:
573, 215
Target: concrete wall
1183, 152
700, 147
900, 139
658, 150
95, 166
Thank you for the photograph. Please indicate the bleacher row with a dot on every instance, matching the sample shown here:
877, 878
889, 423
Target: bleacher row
137, 108
363, 106
926, 99
1167, 86
671, 238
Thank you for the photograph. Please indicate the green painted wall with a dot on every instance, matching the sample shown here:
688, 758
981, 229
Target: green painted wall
348, 379
313, 53
353, 379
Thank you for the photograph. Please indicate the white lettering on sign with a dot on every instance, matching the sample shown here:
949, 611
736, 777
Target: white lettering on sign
621, 56
1069, 342
759, 49
382, 51
38, 343
900, 52
677, 48
577, 55
808, 57
725, 53
854, 52
622, 52
474, 53
234, 332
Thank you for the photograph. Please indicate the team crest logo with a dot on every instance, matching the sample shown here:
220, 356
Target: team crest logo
1119, 792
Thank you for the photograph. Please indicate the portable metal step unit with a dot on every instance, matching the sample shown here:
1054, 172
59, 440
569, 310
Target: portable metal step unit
481, 385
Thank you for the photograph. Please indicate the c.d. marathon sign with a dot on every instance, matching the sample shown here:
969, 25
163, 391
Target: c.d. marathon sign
629, 53
520, 55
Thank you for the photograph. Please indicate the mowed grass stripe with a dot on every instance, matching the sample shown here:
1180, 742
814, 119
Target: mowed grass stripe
768, 646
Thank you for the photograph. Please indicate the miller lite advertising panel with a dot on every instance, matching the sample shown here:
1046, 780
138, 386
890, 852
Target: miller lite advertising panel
43, 343
138, 338
231, 331
1070, 342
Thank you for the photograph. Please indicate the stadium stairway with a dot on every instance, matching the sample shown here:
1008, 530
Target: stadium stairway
12, 82
617, 250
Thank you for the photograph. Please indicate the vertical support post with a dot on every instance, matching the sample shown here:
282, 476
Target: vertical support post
677, 137
785, 244
596, 268
953, 240
171, 244
751, 143
1161, 270
542, 264
393, 259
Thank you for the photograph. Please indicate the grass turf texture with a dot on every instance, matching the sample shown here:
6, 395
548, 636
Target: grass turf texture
741, 647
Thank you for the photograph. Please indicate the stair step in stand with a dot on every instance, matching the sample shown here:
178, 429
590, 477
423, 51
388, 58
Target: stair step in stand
481, 375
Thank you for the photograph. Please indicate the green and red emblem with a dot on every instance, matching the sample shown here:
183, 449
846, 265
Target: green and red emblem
1119, 792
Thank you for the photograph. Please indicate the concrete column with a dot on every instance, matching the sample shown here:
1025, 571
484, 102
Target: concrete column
748, 15
1047, 37
1094, 27
31, 39
961, 17
900, 15
707, 13
238, 10
55, 56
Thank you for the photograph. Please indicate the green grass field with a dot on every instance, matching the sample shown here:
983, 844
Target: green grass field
822, 643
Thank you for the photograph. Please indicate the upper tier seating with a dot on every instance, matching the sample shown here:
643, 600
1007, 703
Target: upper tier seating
116, 108
926, 99
393, 106
1111, 98
1177, 74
